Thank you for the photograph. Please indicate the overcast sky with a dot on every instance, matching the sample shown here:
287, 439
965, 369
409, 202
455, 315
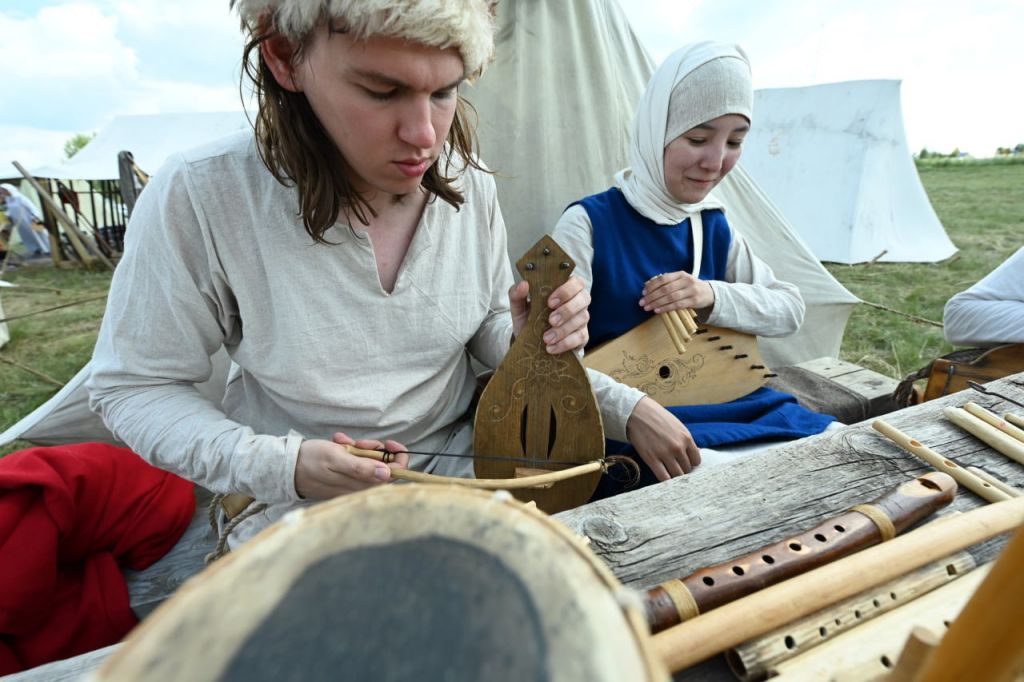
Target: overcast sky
72, 65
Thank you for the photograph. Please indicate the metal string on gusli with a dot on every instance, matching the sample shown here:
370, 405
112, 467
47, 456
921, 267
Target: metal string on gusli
675, 361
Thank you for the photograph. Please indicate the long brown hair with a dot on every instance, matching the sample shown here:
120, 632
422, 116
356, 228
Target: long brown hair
297, 150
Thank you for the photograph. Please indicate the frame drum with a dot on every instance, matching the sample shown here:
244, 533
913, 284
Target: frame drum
410, 582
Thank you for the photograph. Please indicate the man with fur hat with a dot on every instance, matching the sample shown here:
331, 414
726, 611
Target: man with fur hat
350, 257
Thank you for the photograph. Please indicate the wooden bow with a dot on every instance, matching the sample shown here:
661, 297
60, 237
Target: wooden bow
545, 480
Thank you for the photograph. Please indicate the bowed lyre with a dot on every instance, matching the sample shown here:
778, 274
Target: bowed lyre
538, 405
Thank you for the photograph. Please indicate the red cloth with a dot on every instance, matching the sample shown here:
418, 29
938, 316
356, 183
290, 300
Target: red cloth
70, 517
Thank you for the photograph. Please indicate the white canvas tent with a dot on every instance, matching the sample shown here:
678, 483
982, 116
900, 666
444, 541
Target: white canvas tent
150, 138
556, 107
835, 159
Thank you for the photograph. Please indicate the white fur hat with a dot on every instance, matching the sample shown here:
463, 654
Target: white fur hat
467, 25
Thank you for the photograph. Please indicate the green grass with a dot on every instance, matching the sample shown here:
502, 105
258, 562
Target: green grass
55, 343
981, 206
982, 209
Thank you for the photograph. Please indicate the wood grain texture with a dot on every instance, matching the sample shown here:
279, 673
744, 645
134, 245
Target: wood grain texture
863, 652
717, 365
676, 527
756, 659
831, 539
537, 405
984, 642
707, 517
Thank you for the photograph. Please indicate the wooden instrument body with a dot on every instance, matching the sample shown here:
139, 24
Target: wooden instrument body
399, 582
717, 366
539, 406
837, 537
948, 376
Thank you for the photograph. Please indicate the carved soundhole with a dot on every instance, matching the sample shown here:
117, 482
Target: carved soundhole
664, 372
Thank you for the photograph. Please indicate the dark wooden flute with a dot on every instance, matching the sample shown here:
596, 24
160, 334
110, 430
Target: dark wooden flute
862, 526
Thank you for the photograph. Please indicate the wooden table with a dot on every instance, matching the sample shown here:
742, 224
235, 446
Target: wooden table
712, 515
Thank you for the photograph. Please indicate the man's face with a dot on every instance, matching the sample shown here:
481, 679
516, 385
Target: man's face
388, 104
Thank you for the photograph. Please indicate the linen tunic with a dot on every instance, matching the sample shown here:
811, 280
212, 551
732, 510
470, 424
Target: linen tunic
991, 312
216, 254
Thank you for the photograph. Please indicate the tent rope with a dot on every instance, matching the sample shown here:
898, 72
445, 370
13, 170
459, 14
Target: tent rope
915, 318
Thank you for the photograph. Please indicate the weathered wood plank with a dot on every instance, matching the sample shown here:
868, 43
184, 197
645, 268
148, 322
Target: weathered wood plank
876, 388
710, 516
67, 670
830, 368
150, 587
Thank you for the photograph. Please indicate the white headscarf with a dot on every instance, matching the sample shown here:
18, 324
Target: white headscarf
643, 183
19, 200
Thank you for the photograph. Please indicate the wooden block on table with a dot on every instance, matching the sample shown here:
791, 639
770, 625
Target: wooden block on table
876, 388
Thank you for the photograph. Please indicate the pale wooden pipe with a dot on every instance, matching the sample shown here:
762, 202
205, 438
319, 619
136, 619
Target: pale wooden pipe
963, 477
677, 319
700, 638
857, 654
688, 318
995, 482
984, 642
993, 419
993, 437
673, 333
1014, 419
761, 657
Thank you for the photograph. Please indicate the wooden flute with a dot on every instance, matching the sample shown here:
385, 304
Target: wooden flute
865, 525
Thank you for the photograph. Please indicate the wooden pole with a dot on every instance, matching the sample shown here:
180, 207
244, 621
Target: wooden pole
82, 243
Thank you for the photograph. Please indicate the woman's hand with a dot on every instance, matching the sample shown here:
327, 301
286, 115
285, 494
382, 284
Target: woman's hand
676, 291
661, 440
326, 469
568, 316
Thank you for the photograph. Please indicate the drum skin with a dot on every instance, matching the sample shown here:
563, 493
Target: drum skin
403, 582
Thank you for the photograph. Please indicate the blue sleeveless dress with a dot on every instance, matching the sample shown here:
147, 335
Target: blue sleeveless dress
628, 250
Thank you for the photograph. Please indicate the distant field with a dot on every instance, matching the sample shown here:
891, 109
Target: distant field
982, 209
981, 206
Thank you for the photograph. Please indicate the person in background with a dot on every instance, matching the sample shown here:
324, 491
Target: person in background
350, 256
25, 216
634, 246
990, 312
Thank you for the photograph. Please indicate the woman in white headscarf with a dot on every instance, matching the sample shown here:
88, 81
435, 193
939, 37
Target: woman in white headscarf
23, 213
659, 240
